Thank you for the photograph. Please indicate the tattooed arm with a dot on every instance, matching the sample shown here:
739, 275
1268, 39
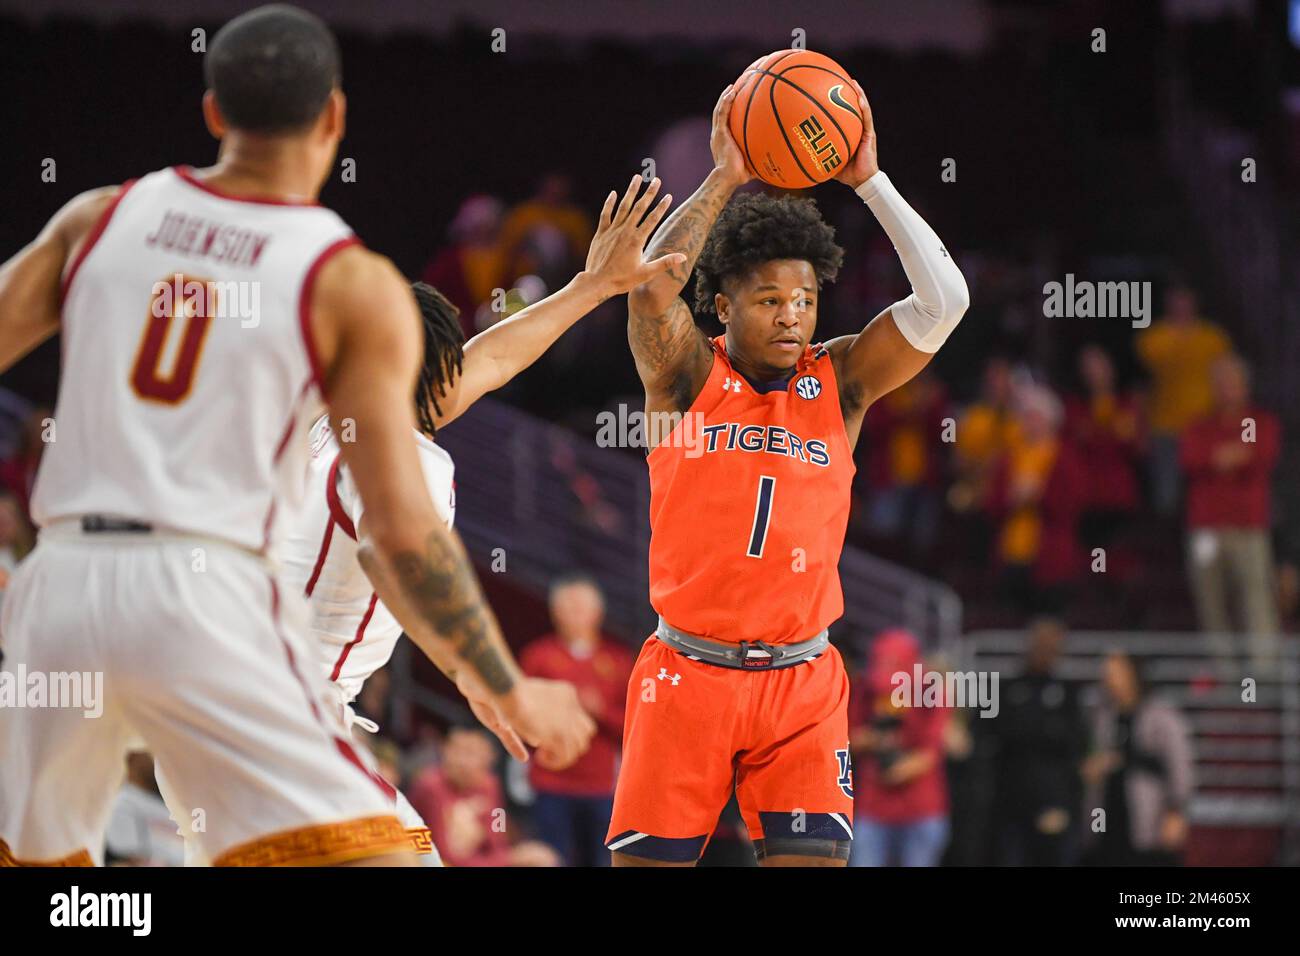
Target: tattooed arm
672, 354
367, 332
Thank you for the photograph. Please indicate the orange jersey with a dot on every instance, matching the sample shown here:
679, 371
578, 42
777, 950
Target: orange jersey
749, 502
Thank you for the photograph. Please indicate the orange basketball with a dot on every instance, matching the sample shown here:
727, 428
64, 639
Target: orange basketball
796, 118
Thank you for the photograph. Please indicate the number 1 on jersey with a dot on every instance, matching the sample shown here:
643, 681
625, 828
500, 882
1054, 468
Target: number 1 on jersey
762, 516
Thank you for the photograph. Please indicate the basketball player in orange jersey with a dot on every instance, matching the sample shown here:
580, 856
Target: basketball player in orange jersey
739, 687
180, 442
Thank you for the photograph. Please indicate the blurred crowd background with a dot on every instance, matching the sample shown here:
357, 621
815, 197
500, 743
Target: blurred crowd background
1061, 474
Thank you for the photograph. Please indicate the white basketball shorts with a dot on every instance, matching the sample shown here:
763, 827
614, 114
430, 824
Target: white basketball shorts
190, 648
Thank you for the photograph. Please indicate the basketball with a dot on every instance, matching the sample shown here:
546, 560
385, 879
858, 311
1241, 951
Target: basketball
796, 118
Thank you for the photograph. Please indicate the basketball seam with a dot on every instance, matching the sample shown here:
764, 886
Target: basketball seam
744, 125
824, 69
788, 145
808, 95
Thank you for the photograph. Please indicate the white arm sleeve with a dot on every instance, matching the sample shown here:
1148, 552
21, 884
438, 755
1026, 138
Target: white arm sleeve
939, 296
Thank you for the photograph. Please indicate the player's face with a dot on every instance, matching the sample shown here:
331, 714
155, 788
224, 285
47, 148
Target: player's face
771, 313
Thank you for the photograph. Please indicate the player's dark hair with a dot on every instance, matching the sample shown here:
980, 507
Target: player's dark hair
758, 227
444, 350
272, 69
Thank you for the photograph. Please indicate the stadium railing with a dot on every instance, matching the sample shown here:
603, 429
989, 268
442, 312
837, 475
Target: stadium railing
1247, 753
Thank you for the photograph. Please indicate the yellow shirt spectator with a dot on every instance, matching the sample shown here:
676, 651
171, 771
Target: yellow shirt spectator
1029, 465
1179, 355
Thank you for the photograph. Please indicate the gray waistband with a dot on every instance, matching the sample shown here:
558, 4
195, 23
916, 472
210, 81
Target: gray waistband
747, 655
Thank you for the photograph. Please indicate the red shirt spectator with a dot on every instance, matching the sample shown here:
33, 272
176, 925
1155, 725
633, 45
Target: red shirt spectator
573, 806
1228, 477
898, 774
469, 269
599, 669
462, 803
1104, 425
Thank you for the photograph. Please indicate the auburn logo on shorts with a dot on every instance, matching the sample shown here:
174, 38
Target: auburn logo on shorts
846, 771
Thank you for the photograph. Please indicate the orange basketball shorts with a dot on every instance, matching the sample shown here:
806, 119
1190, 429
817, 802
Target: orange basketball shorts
695, 731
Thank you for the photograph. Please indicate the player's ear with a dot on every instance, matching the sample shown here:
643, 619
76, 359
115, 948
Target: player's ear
212, 117
334, 116
723, 307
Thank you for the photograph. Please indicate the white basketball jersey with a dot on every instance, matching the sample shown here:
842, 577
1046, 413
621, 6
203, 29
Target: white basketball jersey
355, 633
188, 374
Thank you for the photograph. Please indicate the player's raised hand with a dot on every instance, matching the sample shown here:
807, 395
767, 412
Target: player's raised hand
726, 154
864, 164
548, 715
615, 256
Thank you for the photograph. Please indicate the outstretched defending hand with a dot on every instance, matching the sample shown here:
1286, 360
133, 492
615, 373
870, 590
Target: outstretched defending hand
864, 164
615, 257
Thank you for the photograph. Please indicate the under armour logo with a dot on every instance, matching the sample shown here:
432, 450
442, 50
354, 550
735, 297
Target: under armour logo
943, 252
733, 384
664, 675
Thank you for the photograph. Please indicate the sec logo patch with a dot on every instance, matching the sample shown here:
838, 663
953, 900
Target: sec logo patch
808, 387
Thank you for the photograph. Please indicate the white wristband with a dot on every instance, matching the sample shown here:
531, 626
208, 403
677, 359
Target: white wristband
939, 295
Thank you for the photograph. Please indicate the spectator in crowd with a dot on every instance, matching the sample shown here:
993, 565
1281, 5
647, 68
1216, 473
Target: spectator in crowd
1038, 491
388, 759
984, 431
462, 803
471, 266
1177, 351
15, 537
573, 806
373, 707
961, 768
903, 466
141, 831
1140, 773
900, 790
528, 229
1229, 457
18, 471
1039, 738
1104, 426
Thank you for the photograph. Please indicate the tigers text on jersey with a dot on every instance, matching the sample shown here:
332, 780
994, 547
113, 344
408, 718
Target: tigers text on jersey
748, 523
189, 376
356, 633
